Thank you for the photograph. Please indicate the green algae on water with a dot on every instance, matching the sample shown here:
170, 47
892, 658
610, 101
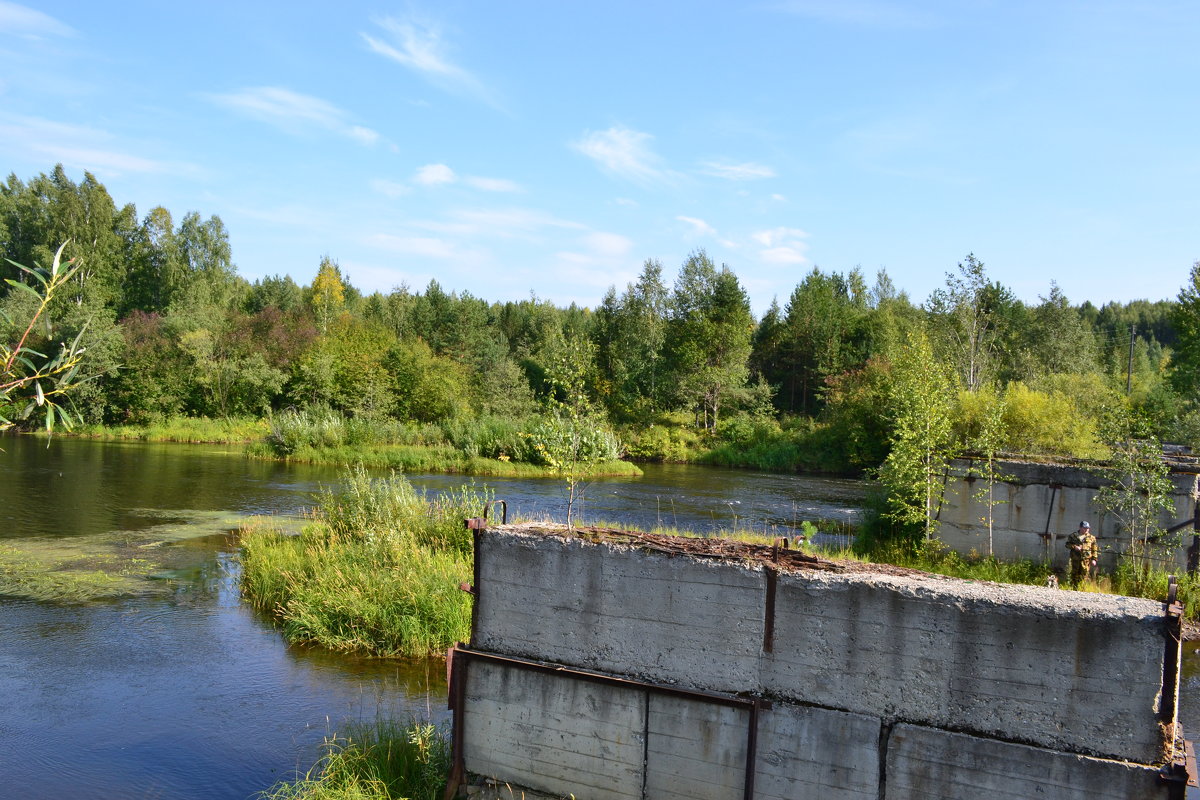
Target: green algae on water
144, 558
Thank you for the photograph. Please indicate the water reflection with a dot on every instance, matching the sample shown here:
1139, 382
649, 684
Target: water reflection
183, 692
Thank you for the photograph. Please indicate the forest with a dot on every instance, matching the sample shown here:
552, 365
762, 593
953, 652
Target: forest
847, 375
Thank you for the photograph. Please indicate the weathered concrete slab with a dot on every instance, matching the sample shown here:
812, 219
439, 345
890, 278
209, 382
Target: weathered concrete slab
807, 753
554, 734
1039, 505
1066, 670
572, 602
695, 750
927, 764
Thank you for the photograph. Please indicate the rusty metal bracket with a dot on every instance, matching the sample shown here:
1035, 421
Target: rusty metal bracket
481, 523
1173, 633
456, 677
769, 611
1175, 777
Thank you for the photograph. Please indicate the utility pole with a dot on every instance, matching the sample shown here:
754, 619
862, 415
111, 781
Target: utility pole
1129, 369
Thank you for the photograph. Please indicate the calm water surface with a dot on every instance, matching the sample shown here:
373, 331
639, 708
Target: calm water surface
181, 691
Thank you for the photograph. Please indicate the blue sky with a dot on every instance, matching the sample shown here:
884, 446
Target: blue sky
517, 147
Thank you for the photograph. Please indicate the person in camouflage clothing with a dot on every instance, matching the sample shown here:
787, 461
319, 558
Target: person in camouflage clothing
1084, 552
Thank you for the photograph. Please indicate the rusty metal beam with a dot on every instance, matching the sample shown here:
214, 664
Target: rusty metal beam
456, 668
732, 701
751, 751
769, 611
1173, 632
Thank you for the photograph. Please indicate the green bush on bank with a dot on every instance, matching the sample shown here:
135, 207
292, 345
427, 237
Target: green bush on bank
218, 430
377, 572
380, 761
482, 444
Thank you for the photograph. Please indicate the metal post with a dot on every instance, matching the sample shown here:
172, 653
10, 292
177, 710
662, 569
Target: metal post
1193, 553
1129, 371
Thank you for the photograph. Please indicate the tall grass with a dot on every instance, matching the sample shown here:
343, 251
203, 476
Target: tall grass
380, 761
223, 430
483, 446
377, 571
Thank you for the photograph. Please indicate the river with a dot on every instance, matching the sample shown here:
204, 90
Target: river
173, 689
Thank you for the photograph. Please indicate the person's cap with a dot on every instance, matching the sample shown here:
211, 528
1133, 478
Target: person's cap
1084, 524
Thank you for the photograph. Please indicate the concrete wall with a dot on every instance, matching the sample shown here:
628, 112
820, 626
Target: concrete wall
1078, 672
1032, 519
928, 764
881, 685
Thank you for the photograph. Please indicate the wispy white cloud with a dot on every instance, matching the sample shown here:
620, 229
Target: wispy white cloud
492, 184
431, 247
699, 226
782, 245
434, 175
18, 20
390, 188
427, 246
737, 172
778, 198
440, 174
84, 147
869, 13
420, 47
293, 112
608, 245
623, 152
505, 223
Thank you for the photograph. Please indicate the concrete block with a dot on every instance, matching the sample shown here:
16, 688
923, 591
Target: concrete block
927, 764
695, 750
1065, 670
553, 733
613, 609
807, 753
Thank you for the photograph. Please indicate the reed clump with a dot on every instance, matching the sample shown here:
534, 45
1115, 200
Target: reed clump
377, 571
192, 430
477, 446
378, 761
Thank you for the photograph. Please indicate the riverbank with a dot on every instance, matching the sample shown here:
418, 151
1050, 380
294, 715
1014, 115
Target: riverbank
342, 443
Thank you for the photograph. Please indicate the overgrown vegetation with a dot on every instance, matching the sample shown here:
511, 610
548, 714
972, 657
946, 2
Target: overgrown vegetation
380, 761
377, 571
660, 370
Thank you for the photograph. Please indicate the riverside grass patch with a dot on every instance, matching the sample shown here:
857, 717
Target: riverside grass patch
384, 760
376, 572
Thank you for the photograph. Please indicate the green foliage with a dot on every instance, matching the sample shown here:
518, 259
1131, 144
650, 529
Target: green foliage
1185, 318
921, 403
427, 387
708, 337
318, 427
1138, 489
963, 320
32, 382
820, 335
667, 438
380, 761
378, 572
347, 369
226, 430
1048, 423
